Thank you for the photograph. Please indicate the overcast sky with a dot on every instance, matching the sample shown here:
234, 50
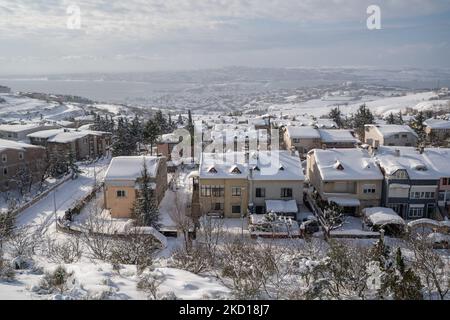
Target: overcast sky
147, 35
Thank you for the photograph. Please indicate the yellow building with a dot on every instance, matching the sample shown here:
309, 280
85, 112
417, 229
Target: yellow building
122, 182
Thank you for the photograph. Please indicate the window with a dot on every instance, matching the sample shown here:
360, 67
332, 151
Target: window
401, 174
236, 170
396, 136
205, 191
4, 158
235, 209
218, 206
296, 140
5, 171
286, 193
369, 188
445, 181
404, 136
236, 191
121, 193
422, 195
415, 212
20, 155
260, 192
218, 191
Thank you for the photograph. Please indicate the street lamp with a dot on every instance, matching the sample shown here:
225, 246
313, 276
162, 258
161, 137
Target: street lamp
54, 209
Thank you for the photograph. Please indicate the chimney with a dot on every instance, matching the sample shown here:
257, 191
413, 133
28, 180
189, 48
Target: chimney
397, 152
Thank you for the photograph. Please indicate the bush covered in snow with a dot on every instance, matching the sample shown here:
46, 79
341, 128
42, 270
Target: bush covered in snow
57, 281
6, 272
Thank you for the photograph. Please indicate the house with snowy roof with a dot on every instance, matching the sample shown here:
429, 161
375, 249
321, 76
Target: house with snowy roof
276, 181
301, 138
15, 156
410, 181
122, 182
337, 138
19, 132
231, 184
390, 135
437, 128
348, 177
81, 144
223, 184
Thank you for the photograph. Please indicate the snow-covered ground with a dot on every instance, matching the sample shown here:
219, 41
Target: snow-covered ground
379, 105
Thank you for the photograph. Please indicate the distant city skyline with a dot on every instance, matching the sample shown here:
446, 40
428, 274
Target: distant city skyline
158, 35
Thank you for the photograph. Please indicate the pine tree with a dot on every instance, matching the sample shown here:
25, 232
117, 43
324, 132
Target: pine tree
145, 209
418, 126
123, 143
362, 117
161, 122
151, 133
336, 115
180, 119
405, 284
136, 131
72, 166
190, 125
400, 118
391, 119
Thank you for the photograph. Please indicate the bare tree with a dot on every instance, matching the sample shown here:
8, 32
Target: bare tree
98, 237
433, 269
67, 251
179, 213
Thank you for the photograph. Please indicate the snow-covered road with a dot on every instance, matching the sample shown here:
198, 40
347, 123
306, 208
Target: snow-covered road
41, 215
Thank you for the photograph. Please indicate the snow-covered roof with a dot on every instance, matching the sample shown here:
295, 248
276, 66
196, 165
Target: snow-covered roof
69, 136
130, 168
346, 164
281, 206
326, 123
437, 123
439, 159
223, 166
19, 127
303, 132
417, 165
19, 146
381, 216
330, 136
45, 134
388, 130
169, 138
276, 165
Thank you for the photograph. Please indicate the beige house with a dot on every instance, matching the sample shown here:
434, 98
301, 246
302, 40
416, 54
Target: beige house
223, 184
389, 135
122, 182
277, 177
437, 128
17, 155
348, 177
301, 139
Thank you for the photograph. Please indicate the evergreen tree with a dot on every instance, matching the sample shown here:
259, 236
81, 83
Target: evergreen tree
418, 126
180, 119
400, 118
336, 115
404, 283
161, 122
151, 133
391, 119
72, 165
123, 143
136, 131
190, 125
362, 117
145, 209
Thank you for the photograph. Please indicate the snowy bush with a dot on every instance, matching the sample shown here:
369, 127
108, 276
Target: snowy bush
57, 281
67, 251
6, 272
22, 243
150, 283
195, 260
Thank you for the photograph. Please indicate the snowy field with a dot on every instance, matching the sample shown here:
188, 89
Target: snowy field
382, 107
